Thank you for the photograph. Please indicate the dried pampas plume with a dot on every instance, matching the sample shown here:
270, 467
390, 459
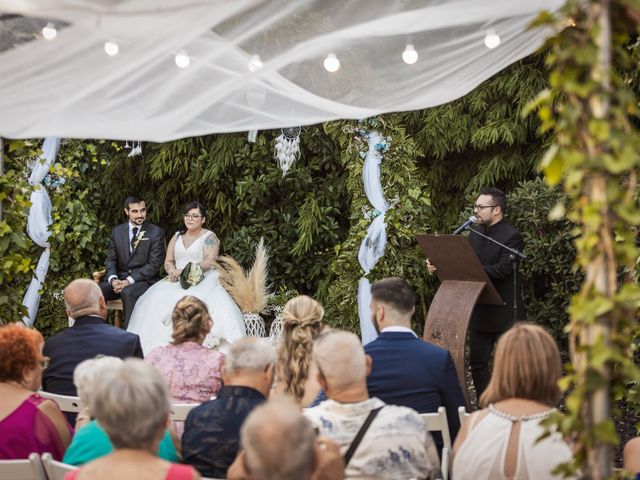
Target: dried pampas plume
248, 289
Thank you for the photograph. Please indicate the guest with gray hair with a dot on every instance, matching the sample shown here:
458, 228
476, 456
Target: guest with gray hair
131, 403
90, 440
279, 442
395, 443
211, 437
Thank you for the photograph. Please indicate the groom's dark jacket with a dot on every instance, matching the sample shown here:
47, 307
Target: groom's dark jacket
145, 260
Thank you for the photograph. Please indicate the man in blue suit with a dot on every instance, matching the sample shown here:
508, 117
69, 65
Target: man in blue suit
89, 336
406, 370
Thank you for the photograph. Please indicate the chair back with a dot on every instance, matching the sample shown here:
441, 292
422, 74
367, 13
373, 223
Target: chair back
179, 411
56, 470
437, 422
462, 414
66, 403
26, 469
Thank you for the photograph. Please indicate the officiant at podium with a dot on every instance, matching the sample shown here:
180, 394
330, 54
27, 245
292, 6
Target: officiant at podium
490, 321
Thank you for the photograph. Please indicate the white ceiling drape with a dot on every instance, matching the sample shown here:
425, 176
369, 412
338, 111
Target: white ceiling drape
69, 86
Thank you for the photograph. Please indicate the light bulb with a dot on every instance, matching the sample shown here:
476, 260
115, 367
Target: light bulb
255, 63
331, 63
410, 56
492, 39
111, 48
49, 31
182, 60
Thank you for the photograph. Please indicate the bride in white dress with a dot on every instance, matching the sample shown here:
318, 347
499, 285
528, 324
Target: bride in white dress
151, 317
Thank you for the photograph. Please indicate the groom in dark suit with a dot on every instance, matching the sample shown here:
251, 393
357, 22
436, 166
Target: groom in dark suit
136, 252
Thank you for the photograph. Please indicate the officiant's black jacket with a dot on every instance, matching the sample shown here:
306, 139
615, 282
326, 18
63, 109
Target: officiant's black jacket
495, 260
145, 260
88, 337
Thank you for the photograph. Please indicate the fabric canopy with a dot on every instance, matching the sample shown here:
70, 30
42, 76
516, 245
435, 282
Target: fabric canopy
252, 64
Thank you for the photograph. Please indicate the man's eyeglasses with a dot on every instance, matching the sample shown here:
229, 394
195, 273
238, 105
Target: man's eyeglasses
191, 216
44, 363
482, 207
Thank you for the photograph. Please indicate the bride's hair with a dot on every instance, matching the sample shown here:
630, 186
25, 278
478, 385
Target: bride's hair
302, 322
190, 206
190, 320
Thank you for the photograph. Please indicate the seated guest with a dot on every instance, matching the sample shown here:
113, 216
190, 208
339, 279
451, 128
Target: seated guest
28, 423
90, 440
89, 336
631, 457
211, 435
396, 444
191, 371
501, 441
302, 323
407, 370
279, 442
131, 403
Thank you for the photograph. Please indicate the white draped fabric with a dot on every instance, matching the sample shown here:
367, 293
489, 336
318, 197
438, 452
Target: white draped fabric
38, 224
372, 246
252, 64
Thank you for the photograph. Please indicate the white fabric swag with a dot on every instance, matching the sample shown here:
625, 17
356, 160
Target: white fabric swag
252, 64
373, 244
38, 225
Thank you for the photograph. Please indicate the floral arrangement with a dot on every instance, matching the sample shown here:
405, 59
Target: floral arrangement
248, 288
191, 275
277, 300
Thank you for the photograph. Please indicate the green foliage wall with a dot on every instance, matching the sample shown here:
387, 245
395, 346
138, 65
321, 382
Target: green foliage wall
16, 265
548, 274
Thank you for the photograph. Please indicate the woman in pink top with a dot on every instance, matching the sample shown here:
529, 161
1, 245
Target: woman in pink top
191, 371
131, 403
28, 423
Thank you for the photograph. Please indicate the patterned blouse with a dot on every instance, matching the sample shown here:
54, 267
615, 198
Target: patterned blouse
191, 371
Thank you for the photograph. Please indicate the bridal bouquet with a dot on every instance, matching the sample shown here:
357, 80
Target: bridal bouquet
191, 275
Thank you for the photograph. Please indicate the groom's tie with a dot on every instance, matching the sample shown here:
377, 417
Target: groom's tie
134, 230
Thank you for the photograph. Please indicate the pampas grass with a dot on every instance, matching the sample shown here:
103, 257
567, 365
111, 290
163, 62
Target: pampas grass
248, 289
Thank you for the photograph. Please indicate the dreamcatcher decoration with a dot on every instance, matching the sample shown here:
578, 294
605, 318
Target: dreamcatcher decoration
287, 148
136, 148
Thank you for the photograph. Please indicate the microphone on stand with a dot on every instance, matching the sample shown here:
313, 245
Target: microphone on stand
465, 225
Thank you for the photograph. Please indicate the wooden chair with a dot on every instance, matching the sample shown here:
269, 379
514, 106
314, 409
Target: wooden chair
27, 469
115, 305
437, 422
65, 402
56, 470
179, 411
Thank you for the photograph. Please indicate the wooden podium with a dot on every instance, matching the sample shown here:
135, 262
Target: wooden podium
464, 283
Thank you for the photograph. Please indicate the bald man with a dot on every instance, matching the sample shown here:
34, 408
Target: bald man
89, 336
396, 445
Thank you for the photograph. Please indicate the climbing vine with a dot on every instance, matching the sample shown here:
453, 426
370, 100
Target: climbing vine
594, 156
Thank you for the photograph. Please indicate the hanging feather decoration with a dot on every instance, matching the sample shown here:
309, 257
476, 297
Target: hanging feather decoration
287, 148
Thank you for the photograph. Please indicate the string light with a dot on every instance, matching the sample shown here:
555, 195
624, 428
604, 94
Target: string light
492, 39
255, 63
182, 60
331, 63
111, 48
49, 31
410, 56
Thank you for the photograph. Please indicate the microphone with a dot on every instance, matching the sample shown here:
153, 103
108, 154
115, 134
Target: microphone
465, 225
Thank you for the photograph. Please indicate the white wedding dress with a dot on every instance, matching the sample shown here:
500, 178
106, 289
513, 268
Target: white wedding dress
151, 317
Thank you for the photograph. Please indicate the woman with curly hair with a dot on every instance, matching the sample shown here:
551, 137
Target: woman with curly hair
28, 422
191, 370
295, 374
